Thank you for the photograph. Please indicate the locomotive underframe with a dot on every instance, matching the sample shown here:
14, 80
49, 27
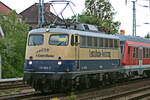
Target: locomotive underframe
66, 81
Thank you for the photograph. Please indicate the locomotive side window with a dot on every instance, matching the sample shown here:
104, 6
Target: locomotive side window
101, 43
95, 41
59, 40
110, 42
35, 40
82, 41
116, 43
106, 43
89, 41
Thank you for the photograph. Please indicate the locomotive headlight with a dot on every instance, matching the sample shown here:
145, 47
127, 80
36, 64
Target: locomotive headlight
59, 62
30, 62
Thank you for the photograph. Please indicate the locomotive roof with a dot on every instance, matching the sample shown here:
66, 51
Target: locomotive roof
71, 31
131, 38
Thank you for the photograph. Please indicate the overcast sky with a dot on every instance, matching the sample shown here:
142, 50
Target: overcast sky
124, 12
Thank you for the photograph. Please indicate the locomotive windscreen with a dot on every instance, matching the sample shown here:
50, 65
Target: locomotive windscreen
59, 40
35, 40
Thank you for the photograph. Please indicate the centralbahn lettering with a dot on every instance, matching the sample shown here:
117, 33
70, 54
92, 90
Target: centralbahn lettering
96, 53
41, 53
44, 55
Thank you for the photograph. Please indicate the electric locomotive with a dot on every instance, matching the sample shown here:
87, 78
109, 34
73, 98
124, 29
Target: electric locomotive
61, 58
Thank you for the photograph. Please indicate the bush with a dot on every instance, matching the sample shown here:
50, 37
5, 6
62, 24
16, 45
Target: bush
12, 46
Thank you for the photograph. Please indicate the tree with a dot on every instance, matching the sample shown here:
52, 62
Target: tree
148, 35
100, 13
12, 45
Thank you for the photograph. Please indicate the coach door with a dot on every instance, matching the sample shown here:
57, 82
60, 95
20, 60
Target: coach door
77, 51
140, 55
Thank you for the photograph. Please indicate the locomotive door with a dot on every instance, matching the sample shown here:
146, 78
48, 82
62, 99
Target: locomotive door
140, 55
77, 51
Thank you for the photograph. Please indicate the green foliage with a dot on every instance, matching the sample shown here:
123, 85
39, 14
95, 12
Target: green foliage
72, 96
148, 35
100, 13
12, 45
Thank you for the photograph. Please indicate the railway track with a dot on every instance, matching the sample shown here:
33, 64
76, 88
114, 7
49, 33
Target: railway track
136, 94
133, 90
31, 96
13, 86
7, 84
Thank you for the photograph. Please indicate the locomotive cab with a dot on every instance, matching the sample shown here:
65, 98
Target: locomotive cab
52, 52
50, 57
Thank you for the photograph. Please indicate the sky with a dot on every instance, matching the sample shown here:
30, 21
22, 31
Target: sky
124, 15
123, 12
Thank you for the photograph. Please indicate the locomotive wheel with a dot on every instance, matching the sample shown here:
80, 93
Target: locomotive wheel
87, 83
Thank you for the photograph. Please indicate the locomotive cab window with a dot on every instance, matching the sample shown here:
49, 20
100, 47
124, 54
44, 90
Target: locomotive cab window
35, 40
76, 40
72, 40
59, 40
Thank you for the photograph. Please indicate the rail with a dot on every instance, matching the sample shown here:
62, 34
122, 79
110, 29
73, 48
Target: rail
10, 80
129, 91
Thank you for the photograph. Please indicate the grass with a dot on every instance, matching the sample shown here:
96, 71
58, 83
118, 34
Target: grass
12, 91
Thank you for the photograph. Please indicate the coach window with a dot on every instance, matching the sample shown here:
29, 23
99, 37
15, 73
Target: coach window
72, 40
129, 51
59, 40
134, 52
137, 52
144, 53
147, 53
35, 39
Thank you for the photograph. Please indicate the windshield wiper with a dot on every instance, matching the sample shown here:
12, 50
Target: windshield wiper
60, 43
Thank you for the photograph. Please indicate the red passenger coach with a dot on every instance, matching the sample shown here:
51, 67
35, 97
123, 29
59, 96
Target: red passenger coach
136, 53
